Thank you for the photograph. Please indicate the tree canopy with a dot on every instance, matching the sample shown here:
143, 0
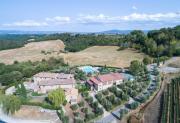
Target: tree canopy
57, 97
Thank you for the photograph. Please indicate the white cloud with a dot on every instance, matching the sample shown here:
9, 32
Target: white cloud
171, 17
27, 23
59, 20
141, 17
134, 7
97, 19
46, 22
151, 17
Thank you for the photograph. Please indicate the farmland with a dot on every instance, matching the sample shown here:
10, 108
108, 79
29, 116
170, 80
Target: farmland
31, 51
96, 55
171, 102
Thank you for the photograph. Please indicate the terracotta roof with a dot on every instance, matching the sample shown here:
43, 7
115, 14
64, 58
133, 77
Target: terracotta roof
54, 75
106, 78
56, 82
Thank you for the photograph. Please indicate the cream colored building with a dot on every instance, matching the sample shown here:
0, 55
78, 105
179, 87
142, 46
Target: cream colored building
105, 81
46, 81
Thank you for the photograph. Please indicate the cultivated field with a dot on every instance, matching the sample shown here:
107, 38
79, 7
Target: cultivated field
103, 55
97, 55
31, 51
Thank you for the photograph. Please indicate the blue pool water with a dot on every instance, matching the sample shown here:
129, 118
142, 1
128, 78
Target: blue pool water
89, 69
2, 121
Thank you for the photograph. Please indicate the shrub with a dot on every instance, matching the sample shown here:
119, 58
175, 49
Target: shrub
77, 120
81, 104
133, 105
98, 111
112, 89
65, 102
89, 116
76, 114
65, 119
84, 110
98, 96
89, 100
62, 117
74, 107
85, 94
105, 92
94, 104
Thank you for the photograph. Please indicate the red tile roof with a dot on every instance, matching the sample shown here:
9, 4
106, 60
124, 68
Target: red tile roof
106, 78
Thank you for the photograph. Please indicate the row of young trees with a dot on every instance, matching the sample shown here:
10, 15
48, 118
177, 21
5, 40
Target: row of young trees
171, 103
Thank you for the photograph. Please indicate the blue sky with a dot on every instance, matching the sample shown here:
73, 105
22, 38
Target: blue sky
88, 15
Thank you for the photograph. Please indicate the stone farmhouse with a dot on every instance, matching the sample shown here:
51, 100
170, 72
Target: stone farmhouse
105, 81
46, 81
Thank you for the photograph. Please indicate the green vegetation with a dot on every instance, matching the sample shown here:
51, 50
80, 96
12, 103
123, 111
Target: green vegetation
171, 103
56, 97
62, 116
36, 94
10, 103
163, 42
10, 74
74, 107
21, 91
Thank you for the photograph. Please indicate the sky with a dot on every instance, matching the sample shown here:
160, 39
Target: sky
88, 15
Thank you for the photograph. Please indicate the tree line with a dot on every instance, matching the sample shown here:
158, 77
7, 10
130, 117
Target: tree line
17, 72
162, 42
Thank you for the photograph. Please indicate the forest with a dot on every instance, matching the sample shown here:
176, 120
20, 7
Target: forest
162, 42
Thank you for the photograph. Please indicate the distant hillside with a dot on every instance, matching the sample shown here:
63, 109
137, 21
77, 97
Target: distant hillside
17, 32
116, 31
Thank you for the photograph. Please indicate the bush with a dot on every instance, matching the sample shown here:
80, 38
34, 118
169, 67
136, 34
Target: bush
89, 116
89, 100
105, 92
98, 111
81, 104
85, 94
77, 120
98, 96
94, 105
62, 117
84, 110
65, 119
133, 105
74, 107
65, 102
76, 114
113, 89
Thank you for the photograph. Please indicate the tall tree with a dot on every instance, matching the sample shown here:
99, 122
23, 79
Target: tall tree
57, 97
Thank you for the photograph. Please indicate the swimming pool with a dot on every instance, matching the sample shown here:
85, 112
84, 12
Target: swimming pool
89, 69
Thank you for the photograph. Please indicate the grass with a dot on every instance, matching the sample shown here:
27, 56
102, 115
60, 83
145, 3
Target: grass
104, 55
32, 51
96, 55
36, 94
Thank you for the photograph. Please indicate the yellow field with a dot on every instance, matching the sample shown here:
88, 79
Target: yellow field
31, 51
96, 55
103, 55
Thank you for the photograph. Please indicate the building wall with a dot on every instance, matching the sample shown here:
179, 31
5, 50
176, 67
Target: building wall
38, 79
45, 89
101, 86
